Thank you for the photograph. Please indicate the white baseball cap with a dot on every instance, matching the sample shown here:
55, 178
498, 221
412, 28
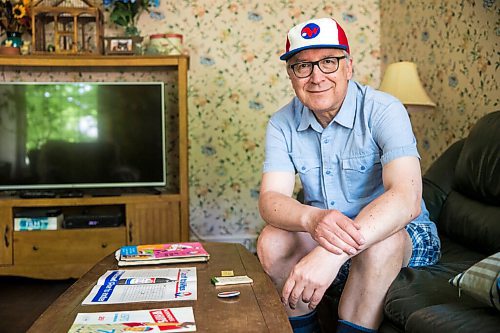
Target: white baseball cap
315, 34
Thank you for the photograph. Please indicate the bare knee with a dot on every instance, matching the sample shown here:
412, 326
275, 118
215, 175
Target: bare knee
271, 247
279, 250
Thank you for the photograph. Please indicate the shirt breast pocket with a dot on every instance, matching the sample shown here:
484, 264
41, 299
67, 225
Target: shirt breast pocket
309, 171
362, 176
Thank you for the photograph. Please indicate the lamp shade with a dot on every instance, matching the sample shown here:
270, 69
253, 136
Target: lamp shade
402, 81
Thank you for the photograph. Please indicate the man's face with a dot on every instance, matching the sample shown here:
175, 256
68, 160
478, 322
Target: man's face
321, 93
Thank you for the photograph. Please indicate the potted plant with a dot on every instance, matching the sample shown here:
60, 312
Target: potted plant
125, 13
14, 21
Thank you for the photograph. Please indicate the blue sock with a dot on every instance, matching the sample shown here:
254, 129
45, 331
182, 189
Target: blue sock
345, 326
307, 323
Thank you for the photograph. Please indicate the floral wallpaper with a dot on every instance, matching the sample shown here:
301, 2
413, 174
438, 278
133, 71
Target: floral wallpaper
455, 46
236, 82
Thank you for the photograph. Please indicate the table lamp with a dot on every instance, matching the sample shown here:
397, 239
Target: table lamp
402, 81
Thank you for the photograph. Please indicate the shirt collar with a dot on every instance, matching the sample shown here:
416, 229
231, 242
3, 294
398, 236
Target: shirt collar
307, 119
345, 117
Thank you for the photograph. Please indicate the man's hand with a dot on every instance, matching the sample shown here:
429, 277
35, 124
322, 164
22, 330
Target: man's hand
310, 277
336, 232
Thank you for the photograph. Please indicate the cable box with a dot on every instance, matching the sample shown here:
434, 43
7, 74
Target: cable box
94, 217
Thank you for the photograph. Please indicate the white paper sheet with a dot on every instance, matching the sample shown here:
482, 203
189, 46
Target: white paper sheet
156, 320
144, 285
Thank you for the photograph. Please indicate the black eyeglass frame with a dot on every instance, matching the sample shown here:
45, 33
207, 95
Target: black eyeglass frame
313, 63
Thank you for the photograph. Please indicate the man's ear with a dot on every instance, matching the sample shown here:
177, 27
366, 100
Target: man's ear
289, 71
350, 68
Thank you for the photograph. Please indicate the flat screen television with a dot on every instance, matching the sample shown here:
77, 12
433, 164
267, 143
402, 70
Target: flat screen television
67, 135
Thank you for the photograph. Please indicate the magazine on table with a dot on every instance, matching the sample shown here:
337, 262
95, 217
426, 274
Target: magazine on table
144, 285
156, 320
154, 254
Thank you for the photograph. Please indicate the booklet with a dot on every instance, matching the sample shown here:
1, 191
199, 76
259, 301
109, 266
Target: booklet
144, 285
154, 254
156, 320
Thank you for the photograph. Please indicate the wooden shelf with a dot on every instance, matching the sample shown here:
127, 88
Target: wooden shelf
149, 218
91, 61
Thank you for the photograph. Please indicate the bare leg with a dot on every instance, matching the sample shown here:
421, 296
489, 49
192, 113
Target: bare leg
370, 276
279, 251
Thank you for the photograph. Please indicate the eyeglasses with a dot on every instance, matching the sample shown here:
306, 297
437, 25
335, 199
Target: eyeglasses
327, 66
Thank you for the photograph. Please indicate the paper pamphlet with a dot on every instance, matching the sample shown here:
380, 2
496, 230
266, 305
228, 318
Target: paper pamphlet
156, 320
161, 253
144, 285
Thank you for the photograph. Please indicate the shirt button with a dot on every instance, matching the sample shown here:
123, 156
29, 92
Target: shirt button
363, 167
328, 172
332, 203
326, 141
303, 168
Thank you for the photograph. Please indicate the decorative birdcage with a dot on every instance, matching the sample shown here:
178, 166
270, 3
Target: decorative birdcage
67, 26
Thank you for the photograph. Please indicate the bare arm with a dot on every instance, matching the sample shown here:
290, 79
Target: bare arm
279, 209
276, 205
384, 216
398, 205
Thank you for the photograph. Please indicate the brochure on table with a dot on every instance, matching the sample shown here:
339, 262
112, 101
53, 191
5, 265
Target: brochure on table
157, 320
144, 285
154, 254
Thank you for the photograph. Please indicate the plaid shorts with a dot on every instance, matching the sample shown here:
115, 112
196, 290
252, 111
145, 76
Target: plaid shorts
426, 246
426, 251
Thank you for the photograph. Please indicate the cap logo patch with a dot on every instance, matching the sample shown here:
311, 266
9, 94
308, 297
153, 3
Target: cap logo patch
310, 31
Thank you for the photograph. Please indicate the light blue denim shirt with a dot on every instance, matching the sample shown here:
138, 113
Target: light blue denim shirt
340, 166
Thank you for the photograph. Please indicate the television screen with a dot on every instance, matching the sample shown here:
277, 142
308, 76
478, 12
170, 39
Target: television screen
81, 135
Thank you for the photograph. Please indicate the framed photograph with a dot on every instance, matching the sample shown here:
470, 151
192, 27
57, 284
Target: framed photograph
121, 45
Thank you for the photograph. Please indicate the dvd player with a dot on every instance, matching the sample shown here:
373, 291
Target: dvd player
94, 217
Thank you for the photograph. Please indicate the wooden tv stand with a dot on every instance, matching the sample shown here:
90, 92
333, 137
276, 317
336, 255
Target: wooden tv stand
66, 253
149, 218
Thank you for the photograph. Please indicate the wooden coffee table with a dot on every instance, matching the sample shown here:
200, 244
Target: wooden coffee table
257, 309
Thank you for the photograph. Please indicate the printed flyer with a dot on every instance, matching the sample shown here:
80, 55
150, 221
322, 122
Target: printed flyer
144, 285
155, 254
156, 320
